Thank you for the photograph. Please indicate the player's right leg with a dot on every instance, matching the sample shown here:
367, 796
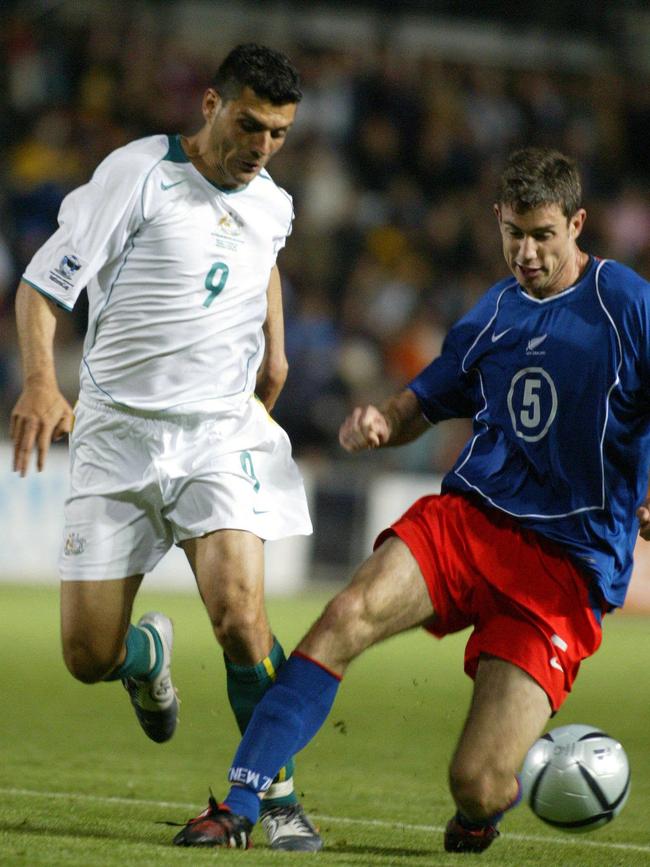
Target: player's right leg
100, 643
113, 528
387, 595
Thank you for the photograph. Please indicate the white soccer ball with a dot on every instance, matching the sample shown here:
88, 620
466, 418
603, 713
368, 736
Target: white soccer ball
576, 778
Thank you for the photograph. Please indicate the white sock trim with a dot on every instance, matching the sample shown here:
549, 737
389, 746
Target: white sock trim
280, 790
152, 648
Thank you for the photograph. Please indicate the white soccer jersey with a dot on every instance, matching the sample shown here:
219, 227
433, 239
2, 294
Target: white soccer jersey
177, 272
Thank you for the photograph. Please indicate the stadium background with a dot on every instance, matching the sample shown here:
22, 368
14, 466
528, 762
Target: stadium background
409, 109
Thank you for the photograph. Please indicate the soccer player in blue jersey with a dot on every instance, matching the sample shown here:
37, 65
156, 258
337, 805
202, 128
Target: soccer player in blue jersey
176, 239
531, 539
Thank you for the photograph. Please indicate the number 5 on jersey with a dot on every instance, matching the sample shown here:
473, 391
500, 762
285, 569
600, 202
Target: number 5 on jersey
215, 281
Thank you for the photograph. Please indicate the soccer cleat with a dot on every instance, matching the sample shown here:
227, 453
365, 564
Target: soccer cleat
154, 701
458, 838
216, 826
290, 829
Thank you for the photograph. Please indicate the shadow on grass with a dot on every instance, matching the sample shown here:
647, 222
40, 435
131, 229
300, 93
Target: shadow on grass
27, 827
378, 853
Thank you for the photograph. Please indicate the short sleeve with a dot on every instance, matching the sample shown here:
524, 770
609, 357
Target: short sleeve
443, 389
285, 218
95, 223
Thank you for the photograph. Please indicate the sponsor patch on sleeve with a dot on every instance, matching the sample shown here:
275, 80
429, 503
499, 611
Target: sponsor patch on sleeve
64, 273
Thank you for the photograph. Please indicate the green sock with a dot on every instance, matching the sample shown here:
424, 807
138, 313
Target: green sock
143, 655
246, 686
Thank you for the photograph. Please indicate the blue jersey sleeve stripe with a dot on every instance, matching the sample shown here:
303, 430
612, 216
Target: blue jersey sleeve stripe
487, 326
617, 378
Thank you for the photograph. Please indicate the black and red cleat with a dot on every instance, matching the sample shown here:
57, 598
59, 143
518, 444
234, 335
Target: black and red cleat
217, 825
459, 838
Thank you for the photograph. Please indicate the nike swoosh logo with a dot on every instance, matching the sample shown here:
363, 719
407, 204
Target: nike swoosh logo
501, 334
261, 511
164, 186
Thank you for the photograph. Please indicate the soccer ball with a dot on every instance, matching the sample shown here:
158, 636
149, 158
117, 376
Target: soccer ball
576, 778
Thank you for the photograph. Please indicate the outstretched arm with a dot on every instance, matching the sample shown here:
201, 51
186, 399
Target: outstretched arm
396, 422
273, 373
41, 414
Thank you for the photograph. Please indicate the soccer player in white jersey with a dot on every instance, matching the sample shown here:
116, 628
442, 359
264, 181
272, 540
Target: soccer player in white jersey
530, 542
176, 240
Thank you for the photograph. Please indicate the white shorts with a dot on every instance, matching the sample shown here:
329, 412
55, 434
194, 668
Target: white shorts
138, 485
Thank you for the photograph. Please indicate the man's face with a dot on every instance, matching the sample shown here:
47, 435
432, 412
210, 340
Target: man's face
540, 247
244, 133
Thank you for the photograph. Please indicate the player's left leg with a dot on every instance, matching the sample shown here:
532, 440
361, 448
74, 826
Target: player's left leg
507, 714
229, 570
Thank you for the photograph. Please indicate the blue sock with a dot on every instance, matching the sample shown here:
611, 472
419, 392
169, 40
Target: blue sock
246, 686
285, 720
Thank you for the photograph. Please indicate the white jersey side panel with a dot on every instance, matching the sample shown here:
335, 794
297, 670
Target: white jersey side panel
177, 272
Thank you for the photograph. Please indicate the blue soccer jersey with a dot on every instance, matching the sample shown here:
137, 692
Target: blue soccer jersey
559, 390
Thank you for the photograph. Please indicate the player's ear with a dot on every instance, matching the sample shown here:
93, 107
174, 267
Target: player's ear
211, 103
576, 222
497, 212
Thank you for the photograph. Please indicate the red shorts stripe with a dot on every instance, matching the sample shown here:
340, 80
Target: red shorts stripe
526, 599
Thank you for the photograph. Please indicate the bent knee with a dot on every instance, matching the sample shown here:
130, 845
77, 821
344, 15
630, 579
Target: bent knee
344, 611
341, 633
235, 624
482, 791
86, 663
242, 631
347, 623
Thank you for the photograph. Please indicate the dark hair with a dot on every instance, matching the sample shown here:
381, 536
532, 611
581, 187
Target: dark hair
267, 72
540, 176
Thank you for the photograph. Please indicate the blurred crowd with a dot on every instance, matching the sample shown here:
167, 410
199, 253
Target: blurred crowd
392, 166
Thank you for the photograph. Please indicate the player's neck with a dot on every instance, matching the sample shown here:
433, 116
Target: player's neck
566, 277
196, 150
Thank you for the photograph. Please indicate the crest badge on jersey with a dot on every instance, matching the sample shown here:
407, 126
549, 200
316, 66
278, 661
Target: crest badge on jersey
229, 231
532, 348
229, 226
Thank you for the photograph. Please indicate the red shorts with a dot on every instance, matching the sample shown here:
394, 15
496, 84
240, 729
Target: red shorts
527, 601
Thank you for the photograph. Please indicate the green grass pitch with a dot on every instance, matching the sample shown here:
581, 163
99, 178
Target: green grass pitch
81, 785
